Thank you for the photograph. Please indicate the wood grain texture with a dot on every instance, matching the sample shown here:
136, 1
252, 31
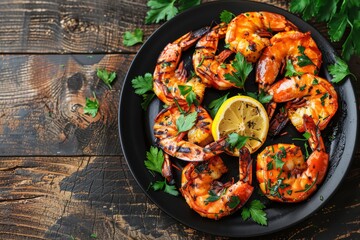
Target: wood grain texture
42, 100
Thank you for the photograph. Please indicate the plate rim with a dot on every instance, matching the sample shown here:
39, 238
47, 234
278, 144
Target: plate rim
151, 197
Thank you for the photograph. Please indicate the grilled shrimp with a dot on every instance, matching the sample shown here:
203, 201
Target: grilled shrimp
169, 74
195, 144
306, 95
211, 198
285, 176
295, 46
209, 66
249, 33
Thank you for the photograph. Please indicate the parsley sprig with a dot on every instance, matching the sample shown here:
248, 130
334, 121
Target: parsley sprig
186, 122
339, 15
255, 211
132, 38
189, 94
262, 97
339, 70
226, 16
143, 86
242, 71
214, 105
91, 106
107, 77
166, 9
290, 70
154, 161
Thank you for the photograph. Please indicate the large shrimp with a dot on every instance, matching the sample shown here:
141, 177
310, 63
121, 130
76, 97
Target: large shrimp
306, 95
285, 176
195, 144
209, 66
295, 47
211, 198
249, 33
169, 74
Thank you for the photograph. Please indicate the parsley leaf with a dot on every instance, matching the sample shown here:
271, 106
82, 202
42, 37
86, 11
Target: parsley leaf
189, 94
155, 159
339, 70
243, 69
185, 123
226, 16
212, 197
107, 77
167, 9
162, 185
255, 211
91, 106
262, 97
236, 141
303, 60
216, 104
278, 158
132, 38
142, 84
290, 70
234, 202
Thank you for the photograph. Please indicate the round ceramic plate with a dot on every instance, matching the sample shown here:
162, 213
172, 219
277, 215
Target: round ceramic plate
136, 135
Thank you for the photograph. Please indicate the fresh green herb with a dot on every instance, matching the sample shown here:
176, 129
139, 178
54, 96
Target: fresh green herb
91, 106
234, 202
261, 97
339, 70
162, 185
290, 70
147, 97
255, 211
186, 122
166, 9
323, 97
226, 16
306, 136
201, 61
269, 165
189, 94
303, 60
302, 88
143, 86
307, 186
132, 38
242, 71
154, 159
315, 82
213, 196
289, 192
236, 141
93, 235
306, 151
216, 104
278, 158
339, 15
107, 77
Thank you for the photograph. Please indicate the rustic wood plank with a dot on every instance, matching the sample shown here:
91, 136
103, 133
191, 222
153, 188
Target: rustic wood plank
64, 197
82, 26
42, 99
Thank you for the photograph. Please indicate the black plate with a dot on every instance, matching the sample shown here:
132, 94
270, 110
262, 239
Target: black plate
136, 136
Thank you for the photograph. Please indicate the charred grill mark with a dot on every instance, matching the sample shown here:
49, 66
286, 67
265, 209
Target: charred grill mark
183, 149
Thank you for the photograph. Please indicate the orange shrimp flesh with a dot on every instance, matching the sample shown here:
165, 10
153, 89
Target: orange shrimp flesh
283, 173
295, 46
306, 95
209, 66
211, 198
169, 74
249, 33
195, 144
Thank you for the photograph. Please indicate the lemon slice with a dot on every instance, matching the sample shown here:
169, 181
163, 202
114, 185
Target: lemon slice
245, 116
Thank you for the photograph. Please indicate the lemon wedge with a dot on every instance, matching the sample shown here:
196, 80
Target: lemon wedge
245, 116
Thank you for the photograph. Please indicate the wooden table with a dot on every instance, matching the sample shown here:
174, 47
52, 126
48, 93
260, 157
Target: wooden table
63, 175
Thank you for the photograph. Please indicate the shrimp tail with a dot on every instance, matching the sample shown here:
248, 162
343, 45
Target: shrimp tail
190, 38
166, 169
245, 165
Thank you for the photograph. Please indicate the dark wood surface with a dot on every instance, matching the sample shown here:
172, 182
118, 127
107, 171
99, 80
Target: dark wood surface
63, 175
